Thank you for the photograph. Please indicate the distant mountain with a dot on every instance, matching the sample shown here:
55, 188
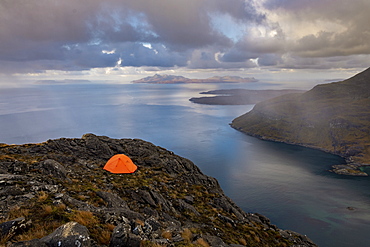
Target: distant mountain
173, 79
66, 81
334, 117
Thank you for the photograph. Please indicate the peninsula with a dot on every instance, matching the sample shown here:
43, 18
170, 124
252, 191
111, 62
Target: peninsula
333, 117
239, 96
173, 79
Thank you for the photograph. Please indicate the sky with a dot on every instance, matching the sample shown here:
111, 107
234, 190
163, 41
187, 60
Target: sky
131, 39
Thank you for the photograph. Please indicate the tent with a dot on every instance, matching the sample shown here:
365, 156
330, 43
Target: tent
120, 163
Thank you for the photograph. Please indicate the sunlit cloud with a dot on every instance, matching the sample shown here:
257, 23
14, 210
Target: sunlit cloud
109, 52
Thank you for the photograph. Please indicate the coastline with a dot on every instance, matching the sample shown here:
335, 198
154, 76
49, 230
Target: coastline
350, 168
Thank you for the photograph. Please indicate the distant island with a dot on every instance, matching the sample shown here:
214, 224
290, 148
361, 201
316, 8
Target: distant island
65, 81
174, 79
240, 96
334, 117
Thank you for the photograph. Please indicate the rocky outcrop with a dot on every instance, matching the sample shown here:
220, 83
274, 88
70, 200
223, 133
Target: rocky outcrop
57, 194
333, 117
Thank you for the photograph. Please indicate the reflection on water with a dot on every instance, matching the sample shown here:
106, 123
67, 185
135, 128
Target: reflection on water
288, 184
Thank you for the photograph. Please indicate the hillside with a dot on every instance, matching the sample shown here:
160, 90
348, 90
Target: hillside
334, 117
57, 194
173, 79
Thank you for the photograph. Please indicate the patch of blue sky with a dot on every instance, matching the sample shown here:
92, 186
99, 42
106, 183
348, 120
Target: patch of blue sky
140, 23
228, 26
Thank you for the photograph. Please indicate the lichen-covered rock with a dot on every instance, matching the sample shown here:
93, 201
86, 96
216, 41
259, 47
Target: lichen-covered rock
13, 227
69, 235
122, 236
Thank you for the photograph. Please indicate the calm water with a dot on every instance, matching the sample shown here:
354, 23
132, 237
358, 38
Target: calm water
288, 184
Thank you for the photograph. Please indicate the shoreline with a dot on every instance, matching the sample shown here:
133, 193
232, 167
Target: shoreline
348, 169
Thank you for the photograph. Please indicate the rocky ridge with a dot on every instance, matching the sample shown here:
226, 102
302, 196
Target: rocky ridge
57, 194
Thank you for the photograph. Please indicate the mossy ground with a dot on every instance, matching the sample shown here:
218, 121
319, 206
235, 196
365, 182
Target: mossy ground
46, 215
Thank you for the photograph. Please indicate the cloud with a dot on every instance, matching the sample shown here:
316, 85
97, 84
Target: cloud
196, 34
323, 28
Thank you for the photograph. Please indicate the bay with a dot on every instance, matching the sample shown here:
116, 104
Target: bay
290, 185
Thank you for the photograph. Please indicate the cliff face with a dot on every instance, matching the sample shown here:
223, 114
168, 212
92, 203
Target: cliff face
57, 194
334, 117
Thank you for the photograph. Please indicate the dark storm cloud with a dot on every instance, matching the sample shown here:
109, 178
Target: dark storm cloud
71, 31
80, 35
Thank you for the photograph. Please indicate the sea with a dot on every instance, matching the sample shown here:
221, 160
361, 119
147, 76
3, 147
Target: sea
291, 185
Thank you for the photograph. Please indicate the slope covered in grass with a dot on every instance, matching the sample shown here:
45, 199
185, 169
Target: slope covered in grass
334, 117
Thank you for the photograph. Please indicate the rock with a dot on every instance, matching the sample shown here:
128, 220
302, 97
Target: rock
226, 219
150, 212
349, 169
31, 243
183, 206
189, 199
10, 190
296, 238
161, 201
80, 205
120, 213
7, 179
225, 204
54, 168
113, 200
144, 197
122, 237
19, 167
96, 146
151, 225
70, 234
13, 227
214, 241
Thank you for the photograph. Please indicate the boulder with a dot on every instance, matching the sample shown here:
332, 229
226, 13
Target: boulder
55, 169
13, 227
70, 234
123, 237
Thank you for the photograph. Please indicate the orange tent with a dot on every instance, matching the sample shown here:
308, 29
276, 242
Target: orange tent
120, 163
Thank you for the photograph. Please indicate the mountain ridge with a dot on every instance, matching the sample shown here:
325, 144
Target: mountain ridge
334, 117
